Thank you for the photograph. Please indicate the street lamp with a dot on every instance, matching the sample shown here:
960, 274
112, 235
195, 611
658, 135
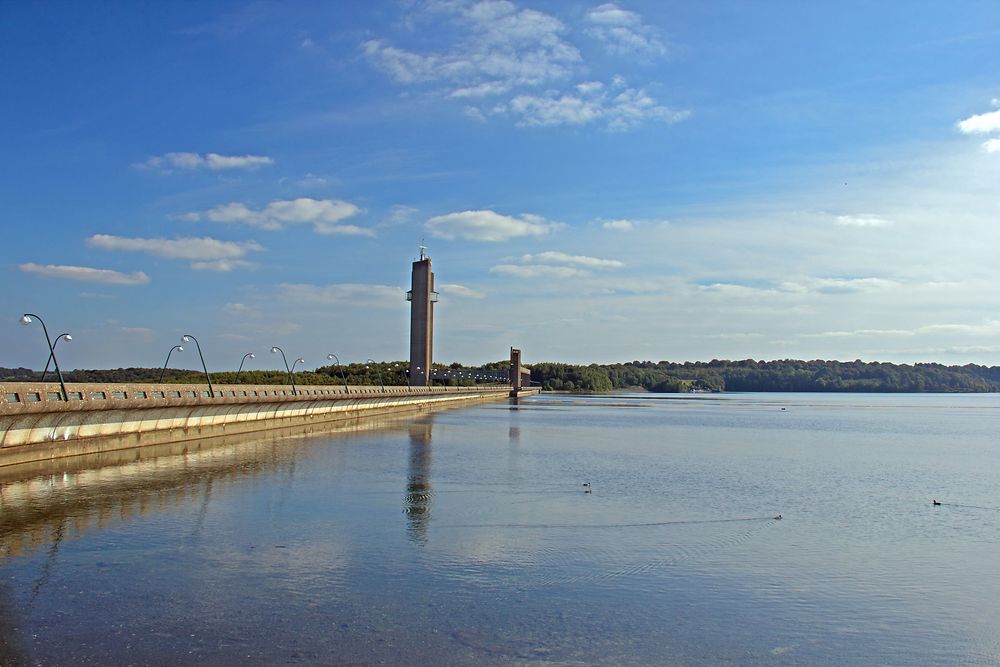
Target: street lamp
55, 344
175, 347
186, 338
275, 349
339, 367
372, 361
26, 320
300, 360
245, 356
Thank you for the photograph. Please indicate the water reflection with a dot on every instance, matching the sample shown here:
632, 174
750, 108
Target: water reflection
95, 492
418, 481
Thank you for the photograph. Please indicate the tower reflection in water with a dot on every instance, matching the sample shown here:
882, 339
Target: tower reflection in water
417, 503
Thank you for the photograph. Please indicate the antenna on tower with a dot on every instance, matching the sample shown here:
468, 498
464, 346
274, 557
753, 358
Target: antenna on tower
423, 249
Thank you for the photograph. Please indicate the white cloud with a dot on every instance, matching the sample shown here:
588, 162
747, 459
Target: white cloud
838, 285
211, 161
461, 291
555, 257
205, 254
86, 274
400, 215
992, 146
370, 295
500, 46
981, 124
241, 310
619, 225
623, 32
488, 226
535, 271
507, 54
183, 248
989, 327
862, 221
622, 111
858, 332
323, 214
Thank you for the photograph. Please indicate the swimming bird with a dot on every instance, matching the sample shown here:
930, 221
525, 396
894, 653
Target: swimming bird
936, 502
585, 484
777, 517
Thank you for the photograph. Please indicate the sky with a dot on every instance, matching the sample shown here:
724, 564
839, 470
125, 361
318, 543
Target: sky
594, 182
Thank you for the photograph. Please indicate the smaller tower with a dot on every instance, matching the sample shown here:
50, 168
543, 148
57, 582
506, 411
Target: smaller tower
422, 298
515, 370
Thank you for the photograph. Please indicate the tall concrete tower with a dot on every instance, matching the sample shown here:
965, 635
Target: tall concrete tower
422, 298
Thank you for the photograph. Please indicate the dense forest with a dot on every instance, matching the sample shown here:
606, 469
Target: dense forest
783, 375
662, 376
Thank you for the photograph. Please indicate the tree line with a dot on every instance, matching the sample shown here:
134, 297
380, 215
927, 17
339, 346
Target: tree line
778, 375
662, 376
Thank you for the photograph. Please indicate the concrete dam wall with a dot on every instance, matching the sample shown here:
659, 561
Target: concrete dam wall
36, 424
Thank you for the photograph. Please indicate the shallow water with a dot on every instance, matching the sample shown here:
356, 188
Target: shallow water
467, 537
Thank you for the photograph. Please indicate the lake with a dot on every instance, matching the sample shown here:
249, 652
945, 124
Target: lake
469, 536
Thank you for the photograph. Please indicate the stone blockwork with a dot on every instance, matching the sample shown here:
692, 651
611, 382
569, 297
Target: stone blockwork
37, 424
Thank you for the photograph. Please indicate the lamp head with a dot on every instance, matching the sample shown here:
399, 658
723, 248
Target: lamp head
329, 356
25, 319
180, 348
274, 350
300, 360
67, 337
252, 356
185, 338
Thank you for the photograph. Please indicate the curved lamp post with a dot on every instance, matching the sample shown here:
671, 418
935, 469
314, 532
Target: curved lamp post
300, 360
55, 344
186, 338
275, 349
26, 320
372, 361
175, 347
249, 355
340, 368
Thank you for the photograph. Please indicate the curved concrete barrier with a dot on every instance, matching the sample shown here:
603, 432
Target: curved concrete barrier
37, 424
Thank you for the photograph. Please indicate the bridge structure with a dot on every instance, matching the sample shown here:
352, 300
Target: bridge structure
42, 421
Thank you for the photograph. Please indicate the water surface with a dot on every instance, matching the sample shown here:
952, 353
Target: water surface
468, 537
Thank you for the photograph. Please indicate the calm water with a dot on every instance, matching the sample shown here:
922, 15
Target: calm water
466, 537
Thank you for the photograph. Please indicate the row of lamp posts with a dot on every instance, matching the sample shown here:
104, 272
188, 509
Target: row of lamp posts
28, 318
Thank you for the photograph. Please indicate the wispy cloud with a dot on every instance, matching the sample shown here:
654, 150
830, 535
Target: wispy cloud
508, 61
324, 215
241, 310
838, 285
461, 291
623, 32
619, 225
85, 274
369, 295
619, 109
488, 225
536, 271
499, 47
555, 257
862, 221
211, 161
555, 264
205, 254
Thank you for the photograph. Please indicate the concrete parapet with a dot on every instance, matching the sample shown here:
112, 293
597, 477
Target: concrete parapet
36, 424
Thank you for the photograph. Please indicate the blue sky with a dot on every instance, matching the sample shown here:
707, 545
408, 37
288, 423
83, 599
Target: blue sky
594, 181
